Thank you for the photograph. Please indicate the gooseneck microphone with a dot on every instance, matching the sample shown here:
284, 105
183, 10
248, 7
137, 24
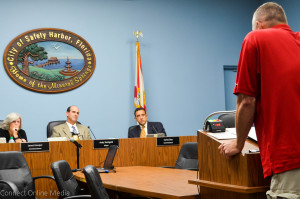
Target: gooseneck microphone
92, 132
154, 129
75, 142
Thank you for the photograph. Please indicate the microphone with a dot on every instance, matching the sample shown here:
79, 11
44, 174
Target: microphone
154, 129
75, 136
75, 142
92, 132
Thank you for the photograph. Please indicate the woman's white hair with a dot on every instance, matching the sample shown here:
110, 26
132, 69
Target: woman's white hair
9, 119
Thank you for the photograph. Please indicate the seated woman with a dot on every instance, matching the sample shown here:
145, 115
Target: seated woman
11, 127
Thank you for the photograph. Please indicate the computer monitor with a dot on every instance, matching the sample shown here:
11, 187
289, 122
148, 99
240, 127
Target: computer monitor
110, 157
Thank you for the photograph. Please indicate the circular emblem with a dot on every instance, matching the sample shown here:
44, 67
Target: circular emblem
49, 60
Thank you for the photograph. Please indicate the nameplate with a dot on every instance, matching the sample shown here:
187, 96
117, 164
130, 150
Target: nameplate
104, 144
34, 147
167, 141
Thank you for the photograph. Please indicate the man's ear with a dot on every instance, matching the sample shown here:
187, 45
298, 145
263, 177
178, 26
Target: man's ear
260, 25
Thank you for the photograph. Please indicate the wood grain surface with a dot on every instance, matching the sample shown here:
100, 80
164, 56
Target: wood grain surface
131, 152
219, 177
150, 182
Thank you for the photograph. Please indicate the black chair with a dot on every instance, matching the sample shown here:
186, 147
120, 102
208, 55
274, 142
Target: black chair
188, 157
15, 177
130, 128
65, 180
94, 183
228, 120
53, 124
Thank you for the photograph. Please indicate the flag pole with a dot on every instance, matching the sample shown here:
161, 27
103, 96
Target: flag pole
137, 34
139, 90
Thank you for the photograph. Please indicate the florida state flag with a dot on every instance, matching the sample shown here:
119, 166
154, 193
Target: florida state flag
139, 91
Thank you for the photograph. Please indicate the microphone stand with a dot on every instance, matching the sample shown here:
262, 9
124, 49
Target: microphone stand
78, 168
77, 153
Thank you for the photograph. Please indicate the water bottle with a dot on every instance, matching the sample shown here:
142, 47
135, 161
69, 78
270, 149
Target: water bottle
11, 140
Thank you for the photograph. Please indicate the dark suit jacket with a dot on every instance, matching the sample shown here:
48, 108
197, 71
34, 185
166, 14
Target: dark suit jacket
5, 133
152, 128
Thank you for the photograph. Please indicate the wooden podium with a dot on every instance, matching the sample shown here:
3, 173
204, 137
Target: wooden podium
240, 177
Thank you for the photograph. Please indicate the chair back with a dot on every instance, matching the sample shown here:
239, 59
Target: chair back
14, 168
228, 120
130, 129
94, 183
188, 156
53, 124
64, 178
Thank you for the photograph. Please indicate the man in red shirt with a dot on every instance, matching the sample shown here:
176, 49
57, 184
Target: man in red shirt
268, 94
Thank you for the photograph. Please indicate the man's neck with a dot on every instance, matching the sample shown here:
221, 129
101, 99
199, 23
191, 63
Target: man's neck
144, 124
70, 122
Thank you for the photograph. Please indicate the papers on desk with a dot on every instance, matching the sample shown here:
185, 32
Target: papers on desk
252, 134
223, 136
230, 133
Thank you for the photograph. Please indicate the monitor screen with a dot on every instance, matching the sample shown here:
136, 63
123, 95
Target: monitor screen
110, 157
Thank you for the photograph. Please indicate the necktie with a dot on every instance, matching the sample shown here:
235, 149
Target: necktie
75, 133
74, 130
143, 132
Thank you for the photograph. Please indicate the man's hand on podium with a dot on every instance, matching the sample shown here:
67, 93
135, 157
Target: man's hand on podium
229, 148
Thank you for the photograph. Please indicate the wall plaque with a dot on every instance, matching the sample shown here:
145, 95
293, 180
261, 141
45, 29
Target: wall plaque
49, 60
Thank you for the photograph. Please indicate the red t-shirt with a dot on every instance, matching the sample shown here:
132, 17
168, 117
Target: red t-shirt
269, 70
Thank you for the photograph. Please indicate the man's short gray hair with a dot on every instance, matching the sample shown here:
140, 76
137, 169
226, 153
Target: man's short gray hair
269, 12
9, 119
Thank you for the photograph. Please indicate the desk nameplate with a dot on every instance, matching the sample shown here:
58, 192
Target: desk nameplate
167, 141
34, 147
104, 144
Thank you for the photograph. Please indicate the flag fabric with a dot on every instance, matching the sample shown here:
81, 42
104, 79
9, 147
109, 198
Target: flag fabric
139, 91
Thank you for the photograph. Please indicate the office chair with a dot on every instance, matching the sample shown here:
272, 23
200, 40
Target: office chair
228, 120
130, 128
65, 181
15, 176
187, 158
53, 124
94, 183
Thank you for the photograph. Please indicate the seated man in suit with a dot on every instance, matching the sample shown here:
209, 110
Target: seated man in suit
71, 127
144, 128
